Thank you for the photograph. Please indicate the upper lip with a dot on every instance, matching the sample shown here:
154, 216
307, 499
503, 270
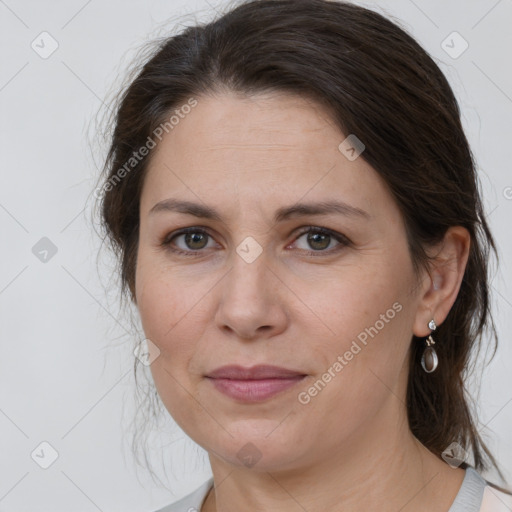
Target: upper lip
262, 371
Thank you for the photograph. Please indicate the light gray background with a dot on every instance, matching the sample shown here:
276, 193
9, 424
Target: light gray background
66, 352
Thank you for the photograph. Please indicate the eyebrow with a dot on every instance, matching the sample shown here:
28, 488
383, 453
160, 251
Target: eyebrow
321, 208
284, 213
195, 209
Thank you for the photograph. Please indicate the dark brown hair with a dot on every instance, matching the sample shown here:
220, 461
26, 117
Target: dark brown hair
377, 83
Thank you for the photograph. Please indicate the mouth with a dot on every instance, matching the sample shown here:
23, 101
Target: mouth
254, 384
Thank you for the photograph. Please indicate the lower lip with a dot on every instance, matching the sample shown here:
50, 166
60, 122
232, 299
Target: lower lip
255, 390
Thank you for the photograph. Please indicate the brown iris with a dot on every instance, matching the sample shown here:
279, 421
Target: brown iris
196, 240
319, 240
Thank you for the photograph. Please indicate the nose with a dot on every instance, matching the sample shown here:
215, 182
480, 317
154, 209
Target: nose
252, 301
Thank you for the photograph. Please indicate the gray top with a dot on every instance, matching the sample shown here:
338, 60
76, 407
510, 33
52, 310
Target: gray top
471, 492
468, 499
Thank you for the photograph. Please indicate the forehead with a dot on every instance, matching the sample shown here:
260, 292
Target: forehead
274, 146
263, 126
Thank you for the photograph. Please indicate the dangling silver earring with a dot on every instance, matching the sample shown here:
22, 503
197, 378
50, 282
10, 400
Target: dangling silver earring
429, 359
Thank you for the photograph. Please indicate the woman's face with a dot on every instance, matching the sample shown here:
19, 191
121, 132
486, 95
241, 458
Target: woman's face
248, 285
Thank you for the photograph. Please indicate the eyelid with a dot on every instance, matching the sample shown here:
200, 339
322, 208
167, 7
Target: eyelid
183, 231
342, 240
167, 240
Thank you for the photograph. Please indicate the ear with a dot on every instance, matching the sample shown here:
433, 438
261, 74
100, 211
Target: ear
443, 280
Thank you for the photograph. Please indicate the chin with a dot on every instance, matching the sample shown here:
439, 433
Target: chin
259, 445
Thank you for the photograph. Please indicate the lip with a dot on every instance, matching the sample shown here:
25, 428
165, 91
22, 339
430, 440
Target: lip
254, 384
260, 371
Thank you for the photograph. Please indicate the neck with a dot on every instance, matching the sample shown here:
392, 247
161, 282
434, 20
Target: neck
384, 466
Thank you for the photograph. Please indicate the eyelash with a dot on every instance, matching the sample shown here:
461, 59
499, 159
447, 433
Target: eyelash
342, 240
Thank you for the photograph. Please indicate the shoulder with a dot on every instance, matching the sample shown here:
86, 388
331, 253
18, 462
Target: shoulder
192, 502
495, 500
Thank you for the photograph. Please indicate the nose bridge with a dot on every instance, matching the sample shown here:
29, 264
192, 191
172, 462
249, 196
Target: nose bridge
249, 279
249, 303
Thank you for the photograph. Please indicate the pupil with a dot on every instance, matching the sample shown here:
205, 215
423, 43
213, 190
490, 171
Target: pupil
191, 239
318, 240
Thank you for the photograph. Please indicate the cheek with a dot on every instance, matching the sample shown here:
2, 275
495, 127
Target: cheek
351, 299
171, 315
362, 363
167, 301
369, 316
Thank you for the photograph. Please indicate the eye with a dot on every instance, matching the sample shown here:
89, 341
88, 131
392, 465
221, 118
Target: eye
188, 240
317, 239
313, 239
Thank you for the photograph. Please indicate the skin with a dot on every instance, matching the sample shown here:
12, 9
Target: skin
350, 447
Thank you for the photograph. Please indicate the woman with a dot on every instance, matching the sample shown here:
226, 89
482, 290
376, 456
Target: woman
297, 218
